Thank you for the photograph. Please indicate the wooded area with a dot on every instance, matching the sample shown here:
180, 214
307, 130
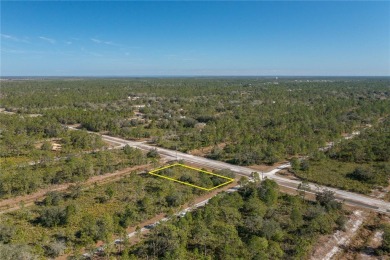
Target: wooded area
358, 164
259, 121
254, 223
81, 216
243, 121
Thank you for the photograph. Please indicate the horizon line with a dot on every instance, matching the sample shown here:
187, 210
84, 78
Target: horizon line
194, 76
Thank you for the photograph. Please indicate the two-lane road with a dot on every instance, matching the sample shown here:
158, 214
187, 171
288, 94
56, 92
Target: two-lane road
349, 198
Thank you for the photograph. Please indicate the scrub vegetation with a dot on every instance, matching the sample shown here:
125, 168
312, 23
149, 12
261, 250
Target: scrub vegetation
192, 176
258, 120
80, 217
359, 164
254, 223
242, 120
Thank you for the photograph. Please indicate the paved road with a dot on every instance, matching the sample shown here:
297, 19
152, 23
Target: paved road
349, 198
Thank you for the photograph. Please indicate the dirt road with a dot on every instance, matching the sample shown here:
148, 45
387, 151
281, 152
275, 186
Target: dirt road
15, 203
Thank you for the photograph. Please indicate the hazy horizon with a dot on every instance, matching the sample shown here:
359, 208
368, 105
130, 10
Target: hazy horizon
176, 39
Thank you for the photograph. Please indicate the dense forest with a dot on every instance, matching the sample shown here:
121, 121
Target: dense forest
28, 161
243, 121
257, 120
335, 131
75, 220
254, 223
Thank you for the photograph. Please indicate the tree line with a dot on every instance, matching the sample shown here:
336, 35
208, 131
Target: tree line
257, 120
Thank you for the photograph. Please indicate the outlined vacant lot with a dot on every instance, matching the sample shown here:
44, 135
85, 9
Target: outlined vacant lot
191, 176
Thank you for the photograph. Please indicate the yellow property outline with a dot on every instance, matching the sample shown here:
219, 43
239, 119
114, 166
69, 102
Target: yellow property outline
230, 180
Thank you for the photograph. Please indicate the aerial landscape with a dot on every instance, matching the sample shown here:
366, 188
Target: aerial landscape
194, 130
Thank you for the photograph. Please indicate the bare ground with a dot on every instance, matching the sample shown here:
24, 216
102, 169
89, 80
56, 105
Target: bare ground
359, 241
328, 246
206, 150
366, 240
382, 193
287, 174
264, 167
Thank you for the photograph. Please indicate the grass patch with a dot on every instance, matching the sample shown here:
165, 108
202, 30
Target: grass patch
192, 177
117, 205
338, 174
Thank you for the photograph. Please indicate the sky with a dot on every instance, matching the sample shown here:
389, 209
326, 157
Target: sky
235, 38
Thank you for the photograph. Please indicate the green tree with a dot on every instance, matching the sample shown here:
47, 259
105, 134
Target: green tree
303, 187
322, 224
386, 239
258, 247
165, 238
153, 154
296, 218
327, 199
53, 198
270, 229
269, 192
54, 249
7, 231
53, 216
105, 228
11, 252
109, 192
361, 174
274, 250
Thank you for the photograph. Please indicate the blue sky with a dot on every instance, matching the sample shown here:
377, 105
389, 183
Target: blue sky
194, 38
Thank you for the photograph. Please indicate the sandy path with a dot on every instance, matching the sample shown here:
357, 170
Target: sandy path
326, 250
15, 203
134, 239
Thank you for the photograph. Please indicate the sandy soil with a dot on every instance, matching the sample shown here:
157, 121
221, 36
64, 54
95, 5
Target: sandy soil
382, 193
328, 246
264, 167
366, 240
374, 241
206, 150
287, 174
75, 125
2, 110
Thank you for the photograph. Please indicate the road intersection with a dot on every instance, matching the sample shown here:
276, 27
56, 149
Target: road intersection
349, 198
